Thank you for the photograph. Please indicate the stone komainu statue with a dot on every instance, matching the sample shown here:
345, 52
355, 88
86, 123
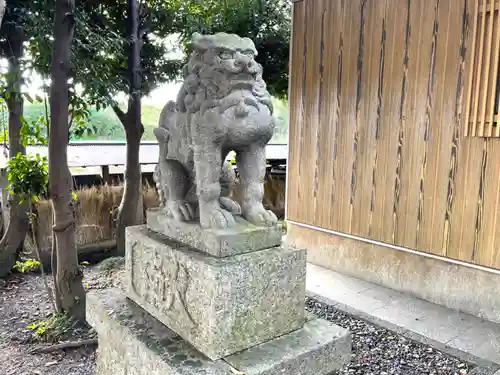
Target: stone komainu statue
222, 106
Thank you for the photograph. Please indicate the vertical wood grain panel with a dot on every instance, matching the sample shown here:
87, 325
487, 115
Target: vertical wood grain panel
450, 208
295, 107
367, 121
320, 104
463, 214
479, 65
378, 99
430, 134
486, 89
363, 78
472, 58
485, 253
415, 145
494, 77
494, 232
378, 140
394, 119
402, 127
357, 149
447, 64
388, 132
312, 102
328, 114
348, 112
335, 218
482, 88
407, 120
469, 177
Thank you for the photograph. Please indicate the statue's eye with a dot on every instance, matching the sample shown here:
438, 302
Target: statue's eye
225, 55
248, 53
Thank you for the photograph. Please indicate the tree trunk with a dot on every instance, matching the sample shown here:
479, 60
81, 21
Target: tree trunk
131, 211
18, 225
68, 275
2, 10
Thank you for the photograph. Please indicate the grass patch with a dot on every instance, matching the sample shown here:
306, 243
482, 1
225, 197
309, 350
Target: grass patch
56, 328
28, 265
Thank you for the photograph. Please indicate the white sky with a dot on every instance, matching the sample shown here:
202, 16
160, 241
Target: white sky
159, 96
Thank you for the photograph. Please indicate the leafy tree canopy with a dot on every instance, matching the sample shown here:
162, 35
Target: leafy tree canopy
99, 63
266, 22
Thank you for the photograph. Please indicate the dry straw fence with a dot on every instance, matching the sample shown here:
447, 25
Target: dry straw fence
95, 210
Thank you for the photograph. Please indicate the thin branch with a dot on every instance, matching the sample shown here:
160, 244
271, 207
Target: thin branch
65, 345
39, 258
142, 8
47, 120
122, 116
143, 31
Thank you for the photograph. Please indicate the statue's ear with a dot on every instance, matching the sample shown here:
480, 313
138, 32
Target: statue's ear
199, 42
196, 37
161, 134
250, 45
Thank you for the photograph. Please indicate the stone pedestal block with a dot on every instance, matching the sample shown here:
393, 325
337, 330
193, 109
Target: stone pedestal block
219, 305
242, 238
132, 342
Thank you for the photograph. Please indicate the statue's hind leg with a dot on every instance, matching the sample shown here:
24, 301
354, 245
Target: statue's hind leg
178, 184
208, 162
227, 183
252, 168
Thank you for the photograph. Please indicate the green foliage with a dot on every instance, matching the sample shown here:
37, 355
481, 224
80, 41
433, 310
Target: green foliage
283, 226
34, 132
4, 136
28, 265
101, 42
57, 327
111, 264
232, 160
99, 64
30, 22
28, 176
108, 127
100, 49
266, 22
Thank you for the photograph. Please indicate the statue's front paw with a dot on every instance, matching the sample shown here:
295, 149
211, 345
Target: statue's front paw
230, 205
260, 216
217, 218
181, 211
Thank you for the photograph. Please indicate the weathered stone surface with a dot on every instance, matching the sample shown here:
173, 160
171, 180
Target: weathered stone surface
242, 238
320, 347
133, 342
222, 106
219, 305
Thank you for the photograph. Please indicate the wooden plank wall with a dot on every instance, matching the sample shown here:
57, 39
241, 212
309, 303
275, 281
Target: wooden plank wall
376, 136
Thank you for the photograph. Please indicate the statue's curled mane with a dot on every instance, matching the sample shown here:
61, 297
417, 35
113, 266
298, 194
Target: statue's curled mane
222, 72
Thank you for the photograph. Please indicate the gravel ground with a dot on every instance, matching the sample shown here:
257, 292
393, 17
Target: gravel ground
23, 300
376, 351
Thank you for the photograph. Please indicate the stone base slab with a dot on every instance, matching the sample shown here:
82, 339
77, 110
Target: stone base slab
219, 305
242, 238
133, 342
